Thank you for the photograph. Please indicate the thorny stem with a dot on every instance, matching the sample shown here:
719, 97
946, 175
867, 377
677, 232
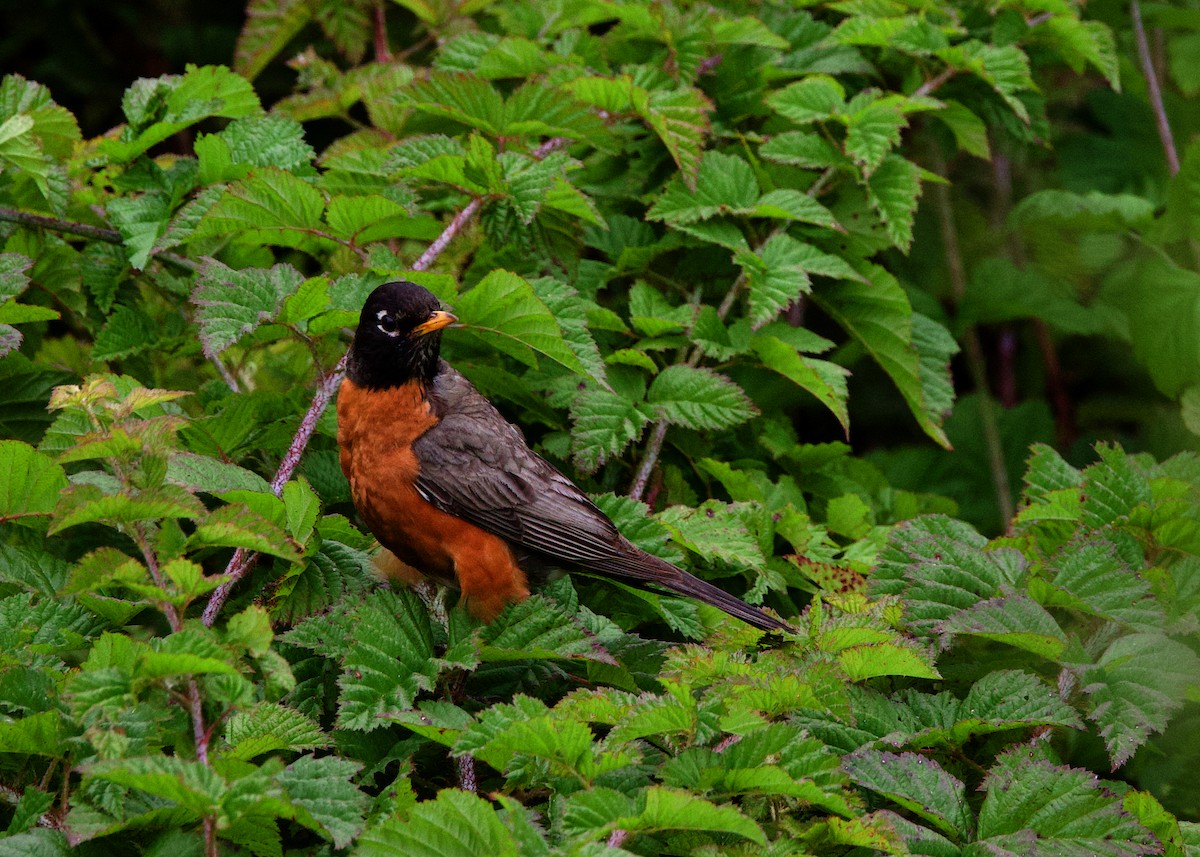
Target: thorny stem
976, 363
1152, 87
934, 83
383, 53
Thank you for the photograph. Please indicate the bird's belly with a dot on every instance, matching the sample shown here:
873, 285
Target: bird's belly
379, 462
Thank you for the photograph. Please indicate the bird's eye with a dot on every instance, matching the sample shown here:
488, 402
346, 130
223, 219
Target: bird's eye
388, 324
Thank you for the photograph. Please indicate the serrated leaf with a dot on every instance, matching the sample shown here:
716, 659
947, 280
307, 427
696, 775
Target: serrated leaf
660, 808
390, 660
1092, 577
698, 398
40, 734
83, 503
204, 473
725, 184
825, 380
237, 526
813, 99
127, 331
269, 727
165, 106
893, 189
505, 312
13, 281
714, 531
231, 303
269, 206
939, 567
604, 424
1033, 806
871, 133
914, 354
454, 824
323, 797
1013, 619
918, 784
1135, 686
30, 482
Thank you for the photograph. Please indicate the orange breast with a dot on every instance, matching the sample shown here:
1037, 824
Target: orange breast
376, 430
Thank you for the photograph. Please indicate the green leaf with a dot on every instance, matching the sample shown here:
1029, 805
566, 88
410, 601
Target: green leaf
893, 189
204, 473
237, 526
160, 108
1091, 577
84, 503
40, 734
698, 398
323, 797
914, 354
127, 331
939, 567
871, 133
779, 273
725, 184
192, 785
1135, 686
454, 824
13, 281
1091, 211
469, 100
30, 482
918, 784
604, 423
660, 808
814, 99
506, 313
1033, 806
269, 26
1013, 619
231, 303
1162, 304
825, 380
1082, 43
270, 206
390, 660
715, 531
268, 728
970, 132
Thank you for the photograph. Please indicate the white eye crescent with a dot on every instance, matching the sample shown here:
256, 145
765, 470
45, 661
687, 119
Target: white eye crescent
387, 322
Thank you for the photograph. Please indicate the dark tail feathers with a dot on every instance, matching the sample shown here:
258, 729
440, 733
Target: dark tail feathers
644, 568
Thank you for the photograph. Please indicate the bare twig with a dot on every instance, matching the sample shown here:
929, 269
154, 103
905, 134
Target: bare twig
1152, 87
85, 230
55, 224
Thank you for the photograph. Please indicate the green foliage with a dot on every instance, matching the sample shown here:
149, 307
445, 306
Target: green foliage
690, 247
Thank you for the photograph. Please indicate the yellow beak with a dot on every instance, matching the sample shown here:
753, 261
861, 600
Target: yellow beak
437, 320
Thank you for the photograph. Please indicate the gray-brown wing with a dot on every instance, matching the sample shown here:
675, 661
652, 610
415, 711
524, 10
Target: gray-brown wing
476, 466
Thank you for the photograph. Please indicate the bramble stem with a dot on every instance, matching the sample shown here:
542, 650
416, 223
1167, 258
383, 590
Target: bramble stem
1152, 88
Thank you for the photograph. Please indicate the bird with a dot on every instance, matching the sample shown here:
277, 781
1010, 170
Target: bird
451, 488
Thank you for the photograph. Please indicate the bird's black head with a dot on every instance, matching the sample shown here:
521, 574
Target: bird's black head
398, 337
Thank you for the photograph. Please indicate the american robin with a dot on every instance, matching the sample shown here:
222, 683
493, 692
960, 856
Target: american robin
451, 488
